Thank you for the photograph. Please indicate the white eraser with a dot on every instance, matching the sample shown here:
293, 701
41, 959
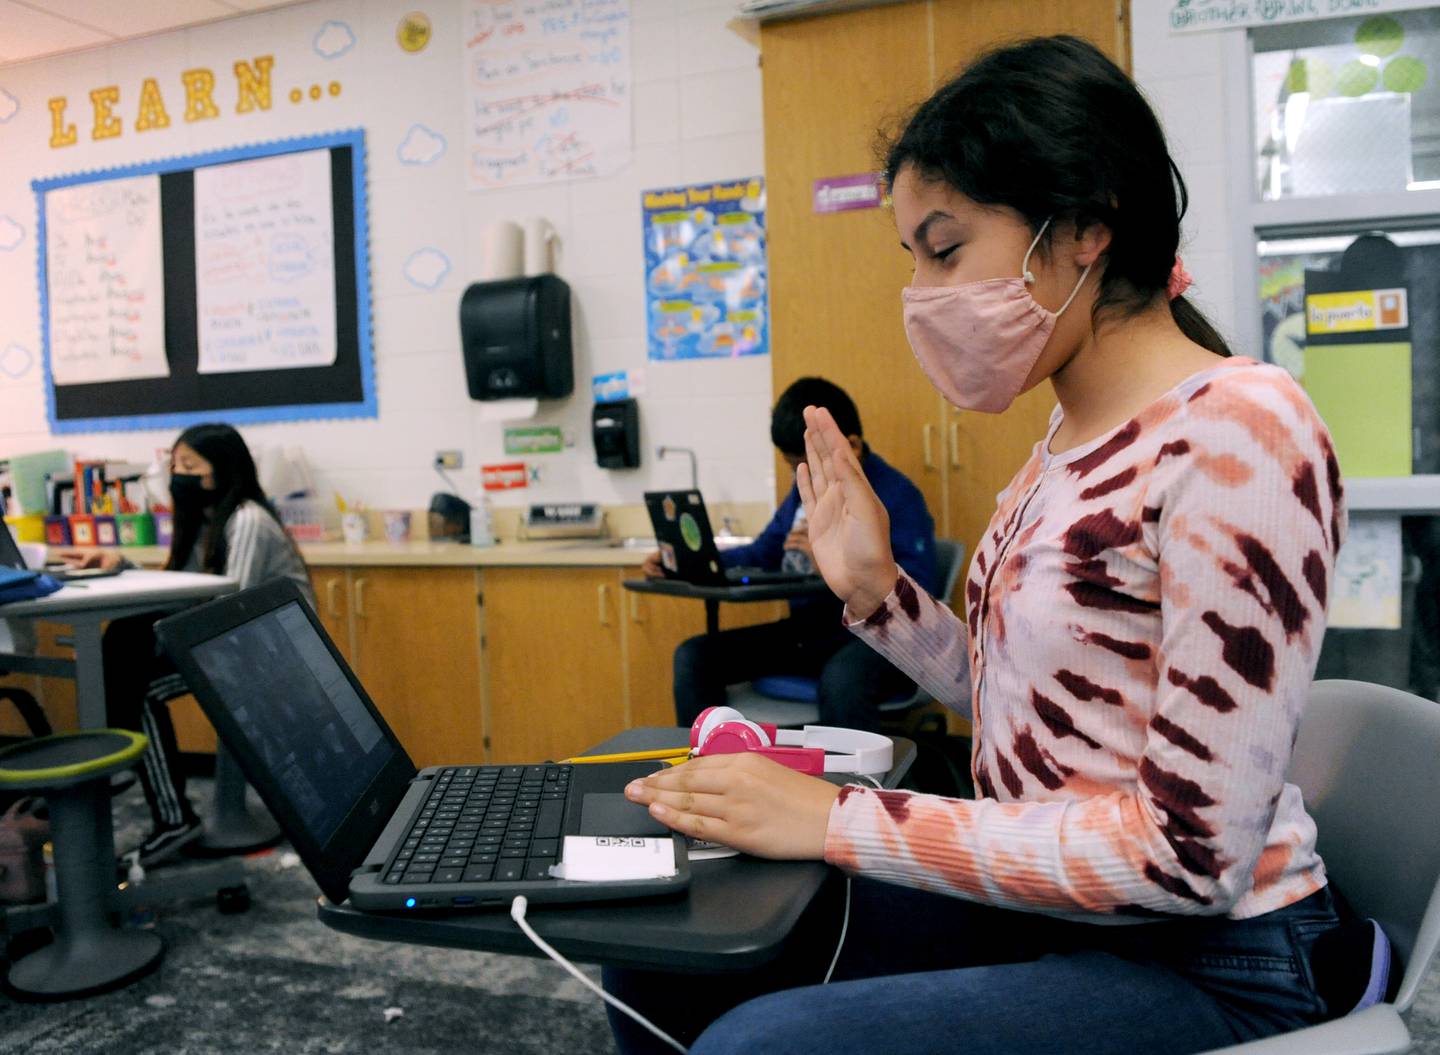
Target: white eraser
607, 858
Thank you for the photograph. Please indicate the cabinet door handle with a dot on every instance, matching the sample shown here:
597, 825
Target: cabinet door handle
927, 436
954, 444
635, 616
360, 598
604, 594
331, 589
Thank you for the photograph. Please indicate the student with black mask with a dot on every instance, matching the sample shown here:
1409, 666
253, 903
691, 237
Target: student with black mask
224, 525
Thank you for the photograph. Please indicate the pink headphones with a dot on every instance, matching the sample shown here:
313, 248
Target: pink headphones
725, 731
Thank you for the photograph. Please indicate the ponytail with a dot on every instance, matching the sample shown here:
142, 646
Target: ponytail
1195, 326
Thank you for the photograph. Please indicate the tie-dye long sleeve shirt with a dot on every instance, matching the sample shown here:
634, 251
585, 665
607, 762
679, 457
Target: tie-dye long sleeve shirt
1144, 617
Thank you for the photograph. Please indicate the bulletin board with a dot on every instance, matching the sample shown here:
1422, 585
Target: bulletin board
231, 284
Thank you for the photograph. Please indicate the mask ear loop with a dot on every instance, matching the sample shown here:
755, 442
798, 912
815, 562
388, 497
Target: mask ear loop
1029, 275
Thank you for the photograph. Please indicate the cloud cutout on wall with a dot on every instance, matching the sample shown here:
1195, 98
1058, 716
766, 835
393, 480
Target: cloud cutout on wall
421, 146
427, 267
9, 106
16, 361
333, 40
11, 233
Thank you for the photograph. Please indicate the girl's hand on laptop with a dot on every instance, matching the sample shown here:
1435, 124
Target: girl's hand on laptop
108, 559
744, 801
849, 528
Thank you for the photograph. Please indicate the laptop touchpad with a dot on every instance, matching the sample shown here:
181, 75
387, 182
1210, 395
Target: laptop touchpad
611, 814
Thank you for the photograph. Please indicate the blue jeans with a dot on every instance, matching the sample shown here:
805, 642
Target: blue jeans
923, 973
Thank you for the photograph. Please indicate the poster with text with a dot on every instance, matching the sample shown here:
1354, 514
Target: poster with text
106, 290
264, 267
547, 90
706, 281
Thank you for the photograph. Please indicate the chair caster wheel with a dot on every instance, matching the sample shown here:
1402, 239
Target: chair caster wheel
232, 900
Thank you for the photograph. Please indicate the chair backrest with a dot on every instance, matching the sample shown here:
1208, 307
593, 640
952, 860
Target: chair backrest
1367, 760
949, 563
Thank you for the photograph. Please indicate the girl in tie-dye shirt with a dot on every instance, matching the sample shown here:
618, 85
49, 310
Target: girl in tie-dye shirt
1142, 621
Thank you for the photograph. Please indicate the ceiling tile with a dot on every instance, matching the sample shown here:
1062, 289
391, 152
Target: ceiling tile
135, 17
26, 32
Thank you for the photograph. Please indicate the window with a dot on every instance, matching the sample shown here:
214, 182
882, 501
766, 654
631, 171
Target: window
1347, 106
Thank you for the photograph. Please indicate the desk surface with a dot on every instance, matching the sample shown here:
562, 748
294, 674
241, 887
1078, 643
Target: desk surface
763, 591
129, 589
737, 914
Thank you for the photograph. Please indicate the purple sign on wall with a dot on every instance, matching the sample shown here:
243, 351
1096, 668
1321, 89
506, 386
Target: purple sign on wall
841, 193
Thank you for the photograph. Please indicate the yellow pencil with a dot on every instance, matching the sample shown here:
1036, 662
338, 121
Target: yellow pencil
673, 755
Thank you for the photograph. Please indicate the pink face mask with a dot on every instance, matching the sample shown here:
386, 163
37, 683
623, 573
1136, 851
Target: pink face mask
978, 342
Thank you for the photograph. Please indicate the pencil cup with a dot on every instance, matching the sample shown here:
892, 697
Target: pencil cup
354, 528
397, 525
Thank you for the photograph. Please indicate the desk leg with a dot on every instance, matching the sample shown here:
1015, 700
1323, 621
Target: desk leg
89, 676
712, 616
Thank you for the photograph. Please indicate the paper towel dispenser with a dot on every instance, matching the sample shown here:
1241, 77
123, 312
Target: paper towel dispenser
616, 430
515, 335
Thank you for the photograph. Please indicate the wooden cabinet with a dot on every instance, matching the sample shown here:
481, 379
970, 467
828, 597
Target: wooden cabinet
332, 597
555, 668
836, 278
414, 642
56, 695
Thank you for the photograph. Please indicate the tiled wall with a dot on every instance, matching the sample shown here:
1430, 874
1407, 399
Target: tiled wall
1183, 76
697, 117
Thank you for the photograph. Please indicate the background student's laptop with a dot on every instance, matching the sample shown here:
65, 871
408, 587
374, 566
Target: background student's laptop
687, 544
11, 557
312, 743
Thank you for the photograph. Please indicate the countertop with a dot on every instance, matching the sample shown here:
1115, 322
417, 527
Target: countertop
556, 553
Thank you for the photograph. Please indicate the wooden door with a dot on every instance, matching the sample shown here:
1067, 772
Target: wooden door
654, 627
416, 649
983, 451
333, 597
829, 84
56, 696
553, 660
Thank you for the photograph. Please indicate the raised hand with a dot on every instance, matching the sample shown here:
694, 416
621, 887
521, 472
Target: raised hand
849, 528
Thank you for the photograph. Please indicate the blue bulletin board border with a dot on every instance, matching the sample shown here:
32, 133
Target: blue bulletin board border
365, 408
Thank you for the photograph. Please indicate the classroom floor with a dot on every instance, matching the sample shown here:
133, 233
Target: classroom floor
274, 980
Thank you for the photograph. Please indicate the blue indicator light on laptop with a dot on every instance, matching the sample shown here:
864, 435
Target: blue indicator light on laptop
409, 902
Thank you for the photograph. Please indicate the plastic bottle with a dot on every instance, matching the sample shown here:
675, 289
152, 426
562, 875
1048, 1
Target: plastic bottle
482, 521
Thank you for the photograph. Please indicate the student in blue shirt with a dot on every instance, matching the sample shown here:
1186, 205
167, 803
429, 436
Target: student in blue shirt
854, 678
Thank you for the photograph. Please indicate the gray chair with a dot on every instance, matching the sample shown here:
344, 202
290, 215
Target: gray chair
791, 701
1366, 761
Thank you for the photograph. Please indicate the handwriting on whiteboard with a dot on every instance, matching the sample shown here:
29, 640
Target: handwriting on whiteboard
264, 264
547, 90
105, 281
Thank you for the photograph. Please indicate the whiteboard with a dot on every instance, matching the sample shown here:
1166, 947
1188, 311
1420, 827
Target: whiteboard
264, 264
104, 263
547, 90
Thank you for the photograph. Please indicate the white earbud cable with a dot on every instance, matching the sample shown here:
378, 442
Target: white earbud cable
517, 913
845, 920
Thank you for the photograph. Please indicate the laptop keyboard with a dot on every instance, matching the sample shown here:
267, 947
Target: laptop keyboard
485, 824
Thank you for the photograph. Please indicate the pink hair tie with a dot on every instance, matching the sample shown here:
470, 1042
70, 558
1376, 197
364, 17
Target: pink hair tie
1180, 279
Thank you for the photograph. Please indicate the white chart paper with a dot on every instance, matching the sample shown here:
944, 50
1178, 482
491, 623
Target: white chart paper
105, 280
264, 264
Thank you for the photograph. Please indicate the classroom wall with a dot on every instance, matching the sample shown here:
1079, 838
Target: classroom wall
697, 117
1183, 76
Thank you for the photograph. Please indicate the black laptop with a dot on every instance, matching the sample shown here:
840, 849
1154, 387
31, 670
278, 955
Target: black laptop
365, 822
687, 545
11, 557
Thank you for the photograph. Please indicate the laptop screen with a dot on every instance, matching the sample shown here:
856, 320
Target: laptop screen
300, 715
10, 556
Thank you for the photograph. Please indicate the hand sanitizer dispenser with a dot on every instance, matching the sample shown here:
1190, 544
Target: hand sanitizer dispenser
616, 429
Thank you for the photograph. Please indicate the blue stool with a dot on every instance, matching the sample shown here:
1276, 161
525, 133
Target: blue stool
89, 955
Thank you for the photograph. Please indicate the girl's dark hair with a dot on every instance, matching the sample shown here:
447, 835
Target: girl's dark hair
787, 420
236, 482
1051, 127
